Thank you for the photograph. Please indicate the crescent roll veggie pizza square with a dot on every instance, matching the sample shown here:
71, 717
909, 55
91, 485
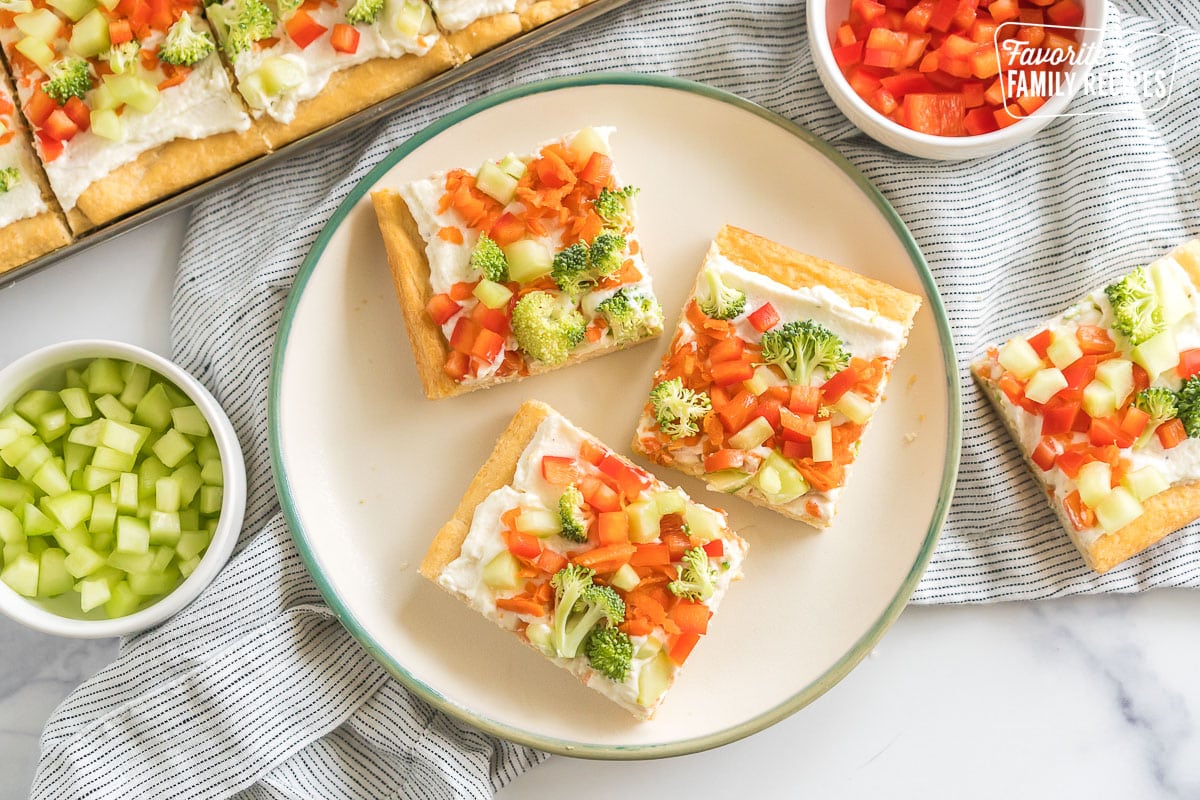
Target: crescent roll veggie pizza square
778, 365
522, 266
1104, 403
587, 558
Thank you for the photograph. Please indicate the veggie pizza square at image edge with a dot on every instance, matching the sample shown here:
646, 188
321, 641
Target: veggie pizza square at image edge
526, 265
779, 363
587, 558
1104, 403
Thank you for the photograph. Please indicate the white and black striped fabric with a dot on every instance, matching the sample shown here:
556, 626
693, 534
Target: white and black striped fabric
256, 691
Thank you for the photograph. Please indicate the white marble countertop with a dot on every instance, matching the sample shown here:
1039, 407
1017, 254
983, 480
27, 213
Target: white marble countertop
1091, 697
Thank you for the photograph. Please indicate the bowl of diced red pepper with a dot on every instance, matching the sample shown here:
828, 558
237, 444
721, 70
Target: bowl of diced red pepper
953, 79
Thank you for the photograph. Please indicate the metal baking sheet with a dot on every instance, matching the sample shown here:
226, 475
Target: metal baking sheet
514, 47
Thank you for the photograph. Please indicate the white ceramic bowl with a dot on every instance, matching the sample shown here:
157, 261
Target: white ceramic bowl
824, 16
49, 362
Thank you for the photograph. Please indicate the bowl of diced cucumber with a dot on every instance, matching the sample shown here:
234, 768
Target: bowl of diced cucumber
122, 489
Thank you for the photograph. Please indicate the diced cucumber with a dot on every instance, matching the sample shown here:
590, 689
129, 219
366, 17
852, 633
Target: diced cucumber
643, 521
654, 678
855, 407
72, 539
1064, 349
15, 451
163, 556
280, 75
190, 482
107, 458
164, 527
490, 293
1117, 374
1095, 482
188, 566
42, 24
1172, 290
12, 421
410, 18
502, 571
189, 518
89, 36
33, 461
10, 527
212, 474
95, 479
152, 583
703, 523
762, 380
1018, 357
73, 379
135, 92
9, 552
1044, 384
130, 562
767, 481
513, 166
53, 424
791, 482
123, 601
1157, 354
87, 435
14, 494
669, 501
822, 441
133, 535
36, 51
754, 433
149, 474
625, 578
496, 183
21, 574
172, 448
53, 578
252, 89
83, 561
105, 122
1145, 482
122, 437
103, 542
126, 497
539, 522
727, 480
71, 509
154, 409
34, 522
76, 457
1118, 510
33, 404
37, 545
112, 408
104, 515
103, 376
74, 9
93, 593
190, 419
528, 260
1099, 401
166, 494
137, 383
210, 499
586, 142
192, 543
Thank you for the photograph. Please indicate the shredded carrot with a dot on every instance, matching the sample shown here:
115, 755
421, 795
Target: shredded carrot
628, 273
451, 234
521, 605
606, 559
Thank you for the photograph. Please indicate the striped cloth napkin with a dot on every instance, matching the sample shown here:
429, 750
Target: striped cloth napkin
256, 691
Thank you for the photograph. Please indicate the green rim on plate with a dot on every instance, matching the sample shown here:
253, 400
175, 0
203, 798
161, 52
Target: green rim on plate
582, 749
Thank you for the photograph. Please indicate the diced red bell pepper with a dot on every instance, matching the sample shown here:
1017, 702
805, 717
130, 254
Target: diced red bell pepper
1094, 340
1189, 363
39, 107
487, 345
768, 409
344, 38
495, 320
736, 413
561, 470
1067, 13
441, 308
979, 120
457, 365
691, 617
797, 450
677, 541
916, 19
119, 31
730, 349
730, 372
522, 545
612, 528
1080, 372
763, 318
682, 647
462, 339
885, 48
597, 171
943, 15
844, 35
592, 453
1104, 431
805, 399
599, 495
549, 561
714, 548
1045, 453
907, 82
972, 92
653, 554
838, 384
79, 113
1004, 10
1134, 422
849, 54
1040, 341
724, 459
303, 29
1080, 515
936, 114
1070, 461
1171, 433
631, 480
507, 229
1058, 417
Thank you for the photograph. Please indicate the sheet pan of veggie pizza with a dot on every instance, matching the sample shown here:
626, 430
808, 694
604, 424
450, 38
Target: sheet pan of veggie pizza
123, 110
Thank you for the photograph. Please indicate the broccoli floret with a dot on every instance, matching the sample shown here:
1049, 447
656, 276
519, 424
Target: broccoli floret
241, 25
579, 606
571, 515
798, 348
68, 78
572, 270
1160, 403
364, 12
184, 45
631, 315
610, 652
1136, 312
678, 410
489, 259
616, 207
546, 329
284, 8
1188, 405
605, 252
723, 302
9, 177
124, 57
696, 576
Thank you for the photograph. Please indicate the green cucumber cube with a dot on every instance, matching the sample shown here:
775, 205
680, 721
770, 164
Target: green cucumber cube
120, 437
189, 482
89, 36
15, 451
35, 522
83, 562
14, 494
137, 382
528, 259
13, 421
73, 379
72, 539
22, 575
172, 448
496, 183
104, 515
154, 409
501, 573
36, 402
11, 531
130, 562
86, 435
36, 51
103, 542
189, 519
133, 535
163, 556
207, 450
107, 458
149, 474
703, 523
211, 473
127, 492
95, 479
42, 23
53, 578
7, 437
166, 494
77, 403
53, 424
38, 455
210, 524
123, 601
189, 420
164, 527
71, 509
103, 376
93, 593
192, 544
152, 583
113, 409
210, 499
51, 478
37, 545
10, 552
105, 122
76, 456
186, 568
145, 506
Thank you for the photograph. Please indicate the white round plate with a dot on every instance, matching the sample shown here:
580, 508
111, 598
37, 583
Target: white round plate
368, 469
